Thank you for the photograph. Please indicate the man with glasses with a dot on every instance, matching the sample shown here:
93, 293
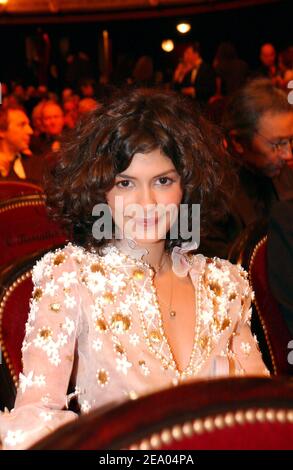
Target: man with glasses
279, 145
259, 134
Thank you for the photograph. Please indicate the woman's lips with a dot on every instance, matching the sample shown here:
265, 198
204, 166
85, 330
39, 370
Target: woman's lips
147, 222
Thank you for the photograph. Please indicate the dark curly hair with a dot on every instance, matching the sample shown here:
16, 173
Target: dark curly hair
103, 145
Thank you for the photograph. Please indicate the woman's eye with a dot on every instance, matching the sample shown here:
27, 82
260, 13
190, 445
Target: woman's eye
165, 181
123, 184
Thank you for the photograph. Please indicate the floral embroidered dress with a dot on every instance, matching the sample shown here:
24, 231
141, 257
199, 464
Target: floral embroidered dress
96, 320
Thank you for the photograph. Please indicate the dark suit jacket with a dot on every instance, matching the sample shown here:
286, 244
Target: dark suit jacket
254, 198
205, 82
280, 258
34, 168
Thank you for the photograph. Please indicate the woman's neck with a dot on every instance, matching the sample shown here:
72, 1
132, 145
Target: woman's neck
151, 253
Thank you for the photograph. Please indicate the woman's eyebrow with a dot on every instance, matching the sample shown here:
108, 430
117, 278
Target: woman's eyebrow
167, 172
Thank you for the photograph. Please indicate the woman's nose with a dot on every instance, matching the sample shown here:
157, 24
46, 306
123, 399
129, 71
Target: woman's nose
147, 197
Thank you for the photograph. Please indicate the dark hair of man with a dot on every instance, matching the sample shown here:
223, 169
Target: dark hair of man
4, 111
246, 107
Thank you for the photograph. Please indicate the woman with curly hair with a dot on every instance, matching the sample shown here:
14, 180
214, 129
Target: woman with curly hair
128, 308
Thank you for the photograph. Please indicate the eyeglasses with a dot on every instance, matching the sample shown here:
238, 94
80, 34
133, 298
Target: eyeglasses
282, 144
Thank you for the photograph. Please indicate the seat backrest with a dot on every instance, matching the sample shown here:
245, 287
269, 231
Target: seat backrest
274, 328
242, 248
12, 189
197, 415
15, 292
26, 227
14, 308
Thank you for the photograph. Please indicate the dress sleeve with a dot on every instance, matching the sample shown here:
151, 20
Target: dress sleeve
47, 352
245, 353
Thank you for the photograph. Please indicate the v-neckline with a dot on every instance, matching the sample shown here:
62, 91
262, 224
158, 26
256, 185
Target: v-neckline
155, 335
197, 304
180, 371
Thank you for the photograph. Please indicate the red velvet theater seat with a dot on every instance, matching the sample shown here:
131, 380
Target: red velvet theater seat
232, 413
15, 292
11, 189
26, 227
250, 250
274, 329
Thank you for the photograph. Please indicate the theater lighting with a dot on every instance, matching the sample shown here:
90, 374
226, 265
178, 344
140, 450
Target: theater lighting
167, 45
183, 28
3, 5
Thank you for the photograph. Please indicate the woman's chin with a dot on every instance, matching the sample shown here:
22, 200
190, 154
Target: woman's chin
144, 235
145, 239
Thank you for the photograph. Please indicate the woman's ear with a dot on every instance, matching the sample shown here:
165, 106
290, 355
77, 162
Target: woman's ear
236, 144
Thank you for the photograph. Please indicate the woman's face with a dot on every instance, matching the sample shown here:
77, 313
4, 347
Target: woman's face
145, 197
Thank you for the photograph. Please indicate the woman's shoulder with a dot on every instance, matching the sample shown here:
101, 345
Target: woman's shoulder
72, 259
225, 288
60, 259
222, 276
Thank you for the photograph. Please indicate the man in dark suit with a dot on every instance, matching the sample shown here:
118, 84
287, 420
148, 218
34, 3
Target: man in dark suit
259, 134
16, 160
194, 77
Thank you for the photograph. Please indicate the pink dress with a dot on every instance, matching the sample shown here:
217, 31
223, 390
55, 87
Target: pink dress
96, 319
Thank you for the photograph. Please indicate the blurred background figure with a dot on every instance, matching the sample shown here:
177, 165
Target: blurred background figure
37, 120
70, 108
143, 72
53, 119
66, 94
231, 71
193, 77
268, 67
87, 88
16, 159
52, 124
86, 105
